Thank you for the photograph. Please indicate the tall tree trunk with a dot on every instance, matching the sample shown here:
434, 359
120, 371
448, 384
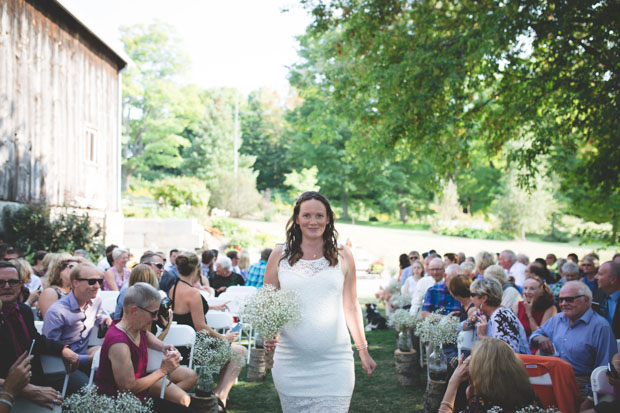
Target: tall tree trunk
402, 210
345, 205
125, 174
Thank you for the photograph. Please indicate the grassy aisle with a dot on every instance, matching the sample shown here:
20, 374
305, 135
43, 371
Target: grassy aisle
379, 393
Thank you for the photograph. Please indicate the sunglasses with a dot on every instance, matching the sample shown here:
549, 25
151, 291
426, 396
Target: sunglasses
70, 264
12, 283
570, 299
157, 264
152, 313
474, 294
92, 281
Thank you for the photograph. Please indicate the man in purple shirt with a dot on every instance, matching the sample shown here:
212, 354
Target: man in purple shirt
71, 319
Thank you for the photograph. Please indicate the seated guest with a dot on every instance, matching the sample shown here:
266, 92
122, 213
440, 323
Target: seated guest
171, 274
71, 319
614, 405
570, 272
432, 277
608, 293
493, 320
404, 268
117, 276
234, 259
459, 289
510, 295
124, 356
539, 270
577, 335
244, 263
537, 305
207, 263
38, 269
468, 268
438, 298
497, 377
589, 265
417, 272
17, 332
224, 277
484, 260
15, 383
27, 296
256, 272
59, 281
190, 308
155, 262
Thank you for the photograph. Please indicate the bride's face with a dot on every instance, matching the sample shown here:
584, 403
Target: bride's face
312, 218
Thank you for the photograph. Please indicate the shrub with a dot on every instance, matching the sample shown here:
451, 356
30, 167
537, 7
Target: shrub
32, 227
181, 191
236, 194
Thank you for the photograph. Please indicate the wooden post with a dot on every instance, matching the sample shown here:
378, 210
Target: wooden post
256, 367
407, 368
269, 359
204, 404
434, 395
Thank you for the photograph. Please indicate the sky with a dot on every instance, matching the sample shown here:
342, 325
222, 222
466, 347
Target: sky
246, 44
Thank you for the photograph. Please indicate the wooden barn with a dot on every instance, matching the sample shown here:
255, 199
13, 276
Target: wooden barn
60, 112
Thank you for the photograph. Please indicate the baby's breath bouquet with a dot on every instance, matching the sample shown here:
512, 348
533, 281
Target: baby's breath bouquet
526, 409
269, 310
399, 301
87, 400
212, 353
394, 286
438, 329
403, 320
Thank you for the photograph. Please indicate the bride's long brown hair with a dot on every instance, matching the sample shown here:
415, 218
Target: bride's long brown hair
293, 252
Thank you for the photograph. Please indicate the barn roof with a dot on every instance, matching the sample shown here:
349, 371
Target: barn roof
59, 13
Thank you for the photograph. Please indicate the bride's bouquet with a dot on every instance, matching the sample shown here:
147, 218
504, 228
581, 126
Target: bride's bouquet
269, 310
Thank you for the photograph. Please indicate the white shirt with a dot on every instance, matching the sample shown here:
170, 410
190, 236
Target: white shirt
510, 297
417, 299
408, 287
103, 264
35, 282
518, 272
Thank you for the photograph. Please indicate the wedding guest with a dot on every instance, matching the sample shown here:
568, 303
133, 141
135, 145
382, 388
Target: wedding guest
537, 305
256, 272
38, 269
244, 264
117, 275
32, 284
510, 295
224, 276
15, 383
59, 281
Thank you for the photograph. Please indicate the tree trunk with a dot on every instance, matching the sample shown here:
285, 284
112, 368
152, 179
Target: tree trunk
256, 367
402, 210
125, 174
345, 206
407, 368
434, 395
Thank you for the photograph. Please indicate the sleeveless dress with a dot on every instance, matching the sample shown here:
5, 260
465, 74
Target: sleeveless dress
313, 362
120, 282
186, 319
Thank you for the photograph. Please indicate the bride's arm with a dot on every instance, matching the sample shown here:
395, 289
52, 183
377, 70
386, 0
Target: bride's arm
271, 271
352, 311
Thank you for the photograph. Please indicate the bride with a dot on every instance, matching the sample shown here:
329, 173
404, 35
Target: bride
313, 362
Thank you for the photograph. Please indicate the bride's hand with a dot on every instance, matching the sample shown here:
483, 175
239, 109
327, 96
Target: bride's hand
368, 364
270, 344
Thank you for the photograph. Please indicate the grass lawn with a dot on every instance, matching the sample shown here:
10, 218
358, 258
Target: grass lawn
379, 393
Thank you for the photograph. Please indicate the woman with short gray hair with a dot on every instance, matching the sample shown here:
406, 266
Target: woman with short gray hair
117, 276
492, 320
511, 295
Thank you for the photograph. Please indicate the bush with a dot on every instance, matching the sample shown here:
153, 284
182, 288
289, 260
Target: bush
181, 191
236, 194
32, 228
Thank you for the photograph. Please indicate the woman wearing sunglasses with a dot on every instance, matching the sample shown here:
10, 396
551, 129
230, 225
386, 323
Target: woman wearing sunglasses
58, 277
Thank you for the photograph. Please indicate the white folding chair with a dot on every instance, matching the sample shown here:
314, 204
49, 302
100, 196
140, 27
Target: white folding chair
618, 343
55, 365
184, 336
465, 341
600, 384
155, 359
236, 301
94, 366
241, 289
213, 300
39, 326
108, 300
220, 320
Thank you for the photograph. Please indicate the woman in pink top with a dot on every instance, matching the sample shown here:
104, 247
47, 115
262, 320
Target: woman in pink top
117, 276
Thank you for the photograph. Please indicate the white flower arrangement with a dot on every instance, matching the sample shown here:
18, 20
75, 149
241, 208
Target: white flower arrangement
399, 301
87, 400
403, 320
438, 329
211, 353
526, 409
394, 286
269, 310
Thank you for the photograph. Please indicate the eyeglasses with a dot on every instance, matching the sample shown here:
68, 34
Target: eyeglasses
69, 264
435, 269
475, 294
570, 299
92, 281
152, 313
157, 264
12, 283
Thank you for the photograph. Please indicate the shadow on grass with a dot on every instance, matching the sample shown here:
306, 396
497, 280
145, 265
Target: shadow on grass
379, 393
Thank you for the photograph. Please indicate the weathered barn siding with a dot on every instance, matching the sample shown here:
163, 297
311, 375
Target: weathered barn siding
58, 84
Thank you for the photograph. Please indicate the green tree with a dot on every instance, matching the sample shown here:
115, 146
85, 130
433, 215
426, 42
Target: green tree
236, 193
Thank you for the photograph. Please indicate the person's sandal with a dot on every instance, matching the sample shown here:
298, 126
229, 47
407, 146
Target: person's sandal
220, 404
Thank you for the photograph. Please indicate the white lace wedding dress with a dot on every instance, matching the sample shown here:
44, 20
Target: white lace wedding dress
313, 362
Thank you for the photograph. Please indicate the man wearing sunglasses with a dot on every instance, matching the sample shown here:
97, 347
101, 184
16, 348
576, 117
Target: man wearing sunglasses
577, 335
71, 319
154, 261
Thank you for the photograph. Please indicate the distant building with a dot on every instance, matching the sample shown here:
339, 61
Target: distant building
60, 112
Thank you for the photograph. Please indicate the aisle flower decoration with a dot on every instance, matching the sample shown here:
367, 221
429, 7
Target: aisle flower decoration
438, 329
269, 310
403, 320
87, 400
526, 409
210, 355
393, 286
399, 300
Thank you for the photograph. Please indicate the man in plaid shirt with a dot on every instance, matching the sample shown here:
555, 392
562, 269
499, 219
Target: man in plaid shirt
256, 272
438, 297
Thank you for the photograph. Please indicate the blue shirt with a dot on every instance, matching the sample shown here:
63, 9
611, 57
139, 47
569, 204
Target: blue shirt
256, 274
586, 345
591, 284
612, 303
438, 298
118, 310
405, 274
67, 323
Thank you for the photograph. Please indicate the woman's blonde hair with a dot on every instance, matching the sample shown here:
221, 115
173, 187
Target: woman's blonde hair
244, 260
23, 269
484, 259
47, 260
143, 273
56, 265
498, 375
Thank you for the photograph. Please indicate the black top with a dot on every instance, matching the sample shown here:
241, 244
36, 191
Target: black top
187, 317
463, 313
42, 346
218, 282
